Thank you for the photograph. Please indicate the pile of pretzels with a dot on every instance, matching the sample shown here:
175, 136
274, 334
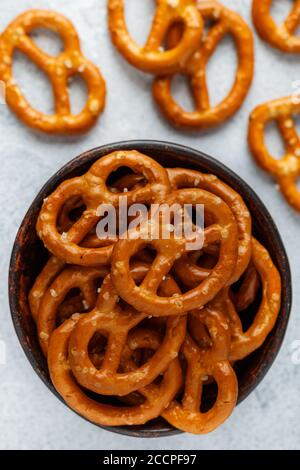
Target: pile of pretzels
135, 328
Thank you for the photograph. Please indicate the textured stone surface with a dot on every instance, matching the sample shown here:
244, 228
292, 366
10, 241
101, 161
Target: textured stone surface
31, 417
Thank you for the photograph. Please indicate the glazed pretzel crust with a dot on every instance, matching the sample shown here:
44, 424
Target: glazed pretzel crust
59, 69
144, 297
93, 190
280, 36
286, 171
205, 115
150, 58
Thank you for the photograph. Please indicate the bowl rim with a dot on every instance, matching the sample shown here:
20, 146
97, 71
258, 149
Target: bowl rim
143, 146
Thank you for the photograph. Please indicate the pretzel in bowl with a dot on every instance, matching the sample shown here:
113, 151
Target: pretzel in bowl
116, 322
286, 170
59, 70
145, 297
183, 178
97, 412
150, 57
280, 36
93, 190
205, 115
202, 363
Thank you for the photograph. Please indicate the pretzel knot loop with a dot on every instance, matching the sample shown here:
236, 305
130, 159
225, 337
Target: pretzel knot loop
280, 36
287, 169
151, 58
93, 190
205, 115
59, 70
145, 297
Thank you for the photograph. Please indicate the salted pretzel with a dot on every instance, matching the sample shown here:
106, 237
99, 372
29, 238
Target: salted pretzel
71, 278
286, 170
205, 115
184, 178
202, 363
150, 57
243, 342
93, 190
100, 413
116, 323
145, 297
59, 70
280, 36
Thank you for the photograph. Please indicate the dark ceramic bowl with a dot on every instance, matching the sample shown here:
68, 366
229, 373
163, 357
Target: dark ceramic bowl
29, 256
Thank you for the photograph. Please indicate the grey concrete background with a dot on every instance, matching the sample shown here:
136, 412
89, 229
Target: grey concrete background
30, 417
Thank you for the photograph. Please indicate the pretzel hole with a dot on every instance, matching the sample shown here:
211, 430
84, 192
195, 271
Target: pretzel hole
120, 181
72, 303
97, 348
78, 93
274, 141
182, 93
33, 83
139, 17
280, 10
247, 316
220, 73
48, 40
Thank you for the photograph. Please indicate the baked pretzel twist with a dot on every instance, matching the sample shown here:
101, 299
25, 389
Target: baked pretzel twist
93, 190
150, 57
183, 178
145, 297
116, 322
202, 363
59, 70
280, 36
286, 170
205, 115
100, 413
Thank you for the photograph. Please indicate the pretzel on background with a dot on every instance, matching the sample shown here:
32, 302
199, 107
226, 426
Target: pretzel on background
286, 170
150, 57
93, 190
280, 36
205, 115
116, 322
99, 413
202, 363
183, 178
59, 70
145, 297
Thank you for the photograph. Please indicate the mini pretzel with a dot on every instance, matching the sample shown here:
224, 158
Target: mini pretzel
145, 297
201, 364
286, 170
92, 189
99, 413
282, 37
150, 58
183, 178
205, 116
59, 69
71, 278
244, 343
116, 323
